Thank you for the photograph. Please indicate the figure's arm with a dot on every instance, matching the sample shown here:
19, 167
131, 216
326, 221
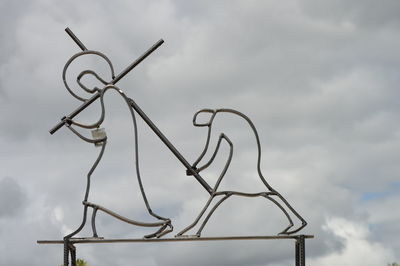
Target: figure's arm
69, 121
102, 137
89, 140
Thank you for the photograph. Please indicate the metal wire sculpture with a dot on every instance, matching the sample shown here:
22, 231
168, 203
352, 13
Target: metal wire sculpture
163, 225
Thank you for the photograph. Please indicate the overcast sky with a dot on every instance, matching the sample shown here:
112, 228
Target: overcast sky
320, 80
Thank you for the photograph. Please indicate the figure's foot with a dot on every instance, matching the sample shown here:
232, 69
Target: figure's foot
164, 229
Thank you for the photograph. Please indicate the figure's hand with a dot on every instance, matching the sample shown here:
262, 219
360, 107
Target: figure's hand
67, 121
189, 173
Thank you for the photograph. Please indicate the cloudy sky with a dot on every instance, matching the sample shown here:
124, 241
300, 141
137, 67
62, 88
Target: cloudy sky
320, 80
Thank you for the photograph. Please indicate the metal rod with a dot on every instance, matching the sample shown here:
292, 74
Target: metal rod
115, 80
137, 61
175, 239
66, 243
72, 249
300, 248
302, 251
170, 146
76, 40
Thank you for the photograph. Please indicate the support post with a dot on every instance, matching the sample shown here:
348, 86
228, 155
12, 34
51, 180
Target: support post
66, 252
69, 248
300, 248
72, 250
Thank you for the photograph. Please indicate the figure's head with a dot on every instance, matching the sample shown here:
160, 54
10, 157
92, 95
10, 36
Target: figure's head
90, 56
203, 118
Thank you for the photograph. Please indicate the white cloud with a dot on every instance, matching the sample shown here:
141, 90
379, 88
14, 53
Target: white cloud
358, 248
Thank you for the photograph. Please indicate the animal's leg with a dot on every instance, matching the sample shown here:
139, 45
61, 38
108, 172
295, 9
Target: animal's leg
266, 195
303, 222
198, 217
211, 213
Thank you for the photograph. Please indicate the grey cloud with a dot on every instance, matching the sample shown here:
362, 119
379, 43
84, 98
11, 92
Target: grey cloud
12, 198
7, 32
383, 221
369, 13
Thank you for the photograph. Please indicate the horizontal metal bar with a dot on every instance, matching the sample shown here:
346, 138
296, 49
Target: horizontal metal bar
175, 239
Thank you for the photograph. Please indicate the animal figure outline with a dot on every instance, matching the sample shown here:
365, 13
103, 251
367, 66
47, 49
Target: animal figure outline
269, 194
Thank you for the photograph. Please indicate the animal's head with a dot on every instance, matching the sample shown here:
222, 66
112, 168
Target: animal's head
204, 118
